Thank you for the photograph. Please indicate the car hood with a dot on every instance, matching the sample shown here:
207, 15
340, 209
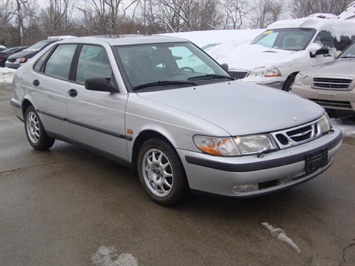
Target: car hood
237, 107
26, 54
250, 56
340, 67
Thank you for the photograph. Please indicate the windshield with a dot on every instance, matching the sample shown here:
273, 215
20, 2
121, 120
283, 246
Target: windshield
37, 46
349, 52
162, 65
293, 39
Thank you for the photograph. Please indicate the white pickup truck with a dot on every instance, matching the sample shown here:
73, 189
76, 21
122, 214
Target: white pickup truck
286, 47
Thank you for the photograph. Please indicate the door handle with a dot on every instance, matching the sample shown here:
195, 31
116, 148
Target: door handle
35, 82
73, 92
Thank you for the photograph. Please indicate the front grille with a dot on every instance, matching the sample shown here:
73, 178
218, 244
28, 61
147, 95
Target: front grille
333, 104
300, 134
238, 74
297, 135
328, 83
11, 60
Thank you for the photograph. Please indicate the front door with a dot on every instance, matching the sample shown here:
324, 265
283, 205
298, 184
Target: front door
96, 118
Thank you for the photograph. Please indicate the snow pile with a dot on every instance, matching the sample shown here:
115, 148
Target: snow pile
323, 15
345, 124
6, 75
349, 13
281, 235
105, 256
209, 37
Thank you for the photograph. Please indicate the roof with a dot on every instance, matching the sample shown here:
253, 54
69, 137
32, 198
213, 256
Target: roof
124, 39
337, 27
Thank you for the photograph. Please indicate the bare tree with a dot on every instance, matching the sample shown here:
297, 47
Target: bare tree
264, 12
5, 17
182, 15
106, 16
56, 18
235, 11
304, 8
18, 13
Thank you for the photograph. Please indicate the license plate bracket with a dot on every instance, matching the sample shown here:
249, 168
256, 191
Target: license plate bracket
316, 160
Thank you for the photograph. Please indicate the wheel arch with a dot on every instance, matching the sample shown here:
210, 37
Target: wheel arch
140, 139
25, 104
289, 81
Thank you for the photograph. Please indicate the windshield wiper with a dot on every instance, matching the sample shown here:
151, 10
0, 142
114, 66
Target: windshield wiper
211, 76
164, 83
348, 56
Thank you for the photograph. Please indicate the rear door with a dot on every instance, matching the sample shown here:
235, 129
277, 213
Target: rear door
50, 83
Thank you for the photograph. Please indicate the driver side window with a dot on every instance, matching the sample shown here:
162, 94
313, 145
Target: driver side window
93, 63
325, 39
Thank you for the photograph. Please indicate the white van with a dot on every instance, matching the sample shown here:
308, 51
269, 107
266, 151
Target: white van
286, 47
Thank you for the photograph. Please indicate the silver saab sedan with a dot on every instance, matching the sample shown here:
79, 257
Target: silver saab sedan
166, 109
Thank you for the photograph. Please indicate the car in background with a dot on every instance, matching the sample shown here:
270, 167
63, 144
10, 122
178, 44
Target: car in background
6, 53
286, 47
331, 85
180, 124
18, 59
2, 48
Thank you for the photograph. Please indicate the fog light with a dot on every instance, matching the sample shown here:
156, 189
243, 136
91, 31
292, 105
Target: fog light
245, 188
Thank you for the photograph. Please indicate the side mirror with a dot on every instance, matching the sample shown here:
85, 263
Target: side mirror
225, 67
320, 51
100, 84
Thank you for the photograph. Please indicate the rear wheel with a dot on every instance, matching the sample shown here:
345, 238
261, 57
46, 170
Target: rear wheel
35, 132
161, 173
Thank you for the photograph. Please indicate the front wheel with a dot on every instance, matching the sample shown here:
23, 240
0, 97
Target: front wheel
35, 132
161, 173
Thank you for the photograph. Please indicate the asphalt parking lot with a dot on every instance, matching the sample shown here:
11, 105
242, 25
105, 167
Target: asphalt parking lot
68, 206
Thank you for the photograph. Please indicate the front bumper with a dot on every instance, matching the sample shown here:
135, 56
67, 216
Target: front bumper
16, 107
228, 176
12, 64
330, 99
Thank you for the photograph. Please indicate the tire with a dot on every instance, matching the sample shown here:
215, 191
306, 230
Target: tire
161, 173
35, 132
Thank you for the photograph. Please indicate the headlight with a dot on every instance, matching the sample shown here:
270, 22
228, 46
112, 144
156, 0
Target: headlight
299, 79
324, 124
302, 80
265, 72
306, 80
21, 60
242, 145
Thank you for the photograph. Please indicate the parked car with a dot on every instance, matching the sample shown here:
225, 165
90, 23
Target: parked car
138, 100
6, 53
331, 85
286, 47
2, 48
18, 59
